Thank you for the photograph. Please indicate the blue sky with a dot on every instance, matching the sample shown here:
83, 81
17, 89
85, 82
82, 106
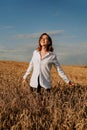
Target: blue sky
23, 21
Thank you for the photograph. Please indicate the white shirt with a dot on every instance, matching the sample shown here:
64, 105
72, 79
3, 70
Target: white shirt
42, 68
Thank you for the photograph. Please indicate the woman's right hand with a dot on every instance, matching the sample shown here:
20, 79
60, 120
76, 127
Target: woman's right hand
24, 81
71, 83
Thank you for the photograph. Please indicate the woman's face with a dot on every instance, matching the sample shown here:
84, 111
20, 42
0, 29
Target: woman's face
44, 40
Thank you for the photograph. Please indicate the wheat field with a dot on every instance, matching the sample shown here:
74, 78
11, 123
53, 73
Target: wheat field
64, 108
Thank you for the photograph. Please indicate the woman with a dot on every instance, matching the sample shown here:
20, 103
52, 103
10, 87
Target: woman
42, 60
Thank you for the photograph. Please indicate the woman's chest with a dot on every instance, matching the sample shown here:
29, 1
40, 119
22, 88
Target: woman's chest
45, 61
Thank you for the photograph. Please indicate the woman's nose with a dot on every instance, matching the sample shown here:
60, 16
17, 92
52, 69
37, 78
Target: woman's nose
43, 39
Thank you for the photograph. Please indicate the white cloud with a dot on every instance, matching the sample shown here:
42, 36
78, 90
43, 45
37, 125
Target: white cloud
67, 48
6, 27
19, 53
58, 32
36, 35
72, 53
67, 53
71, 36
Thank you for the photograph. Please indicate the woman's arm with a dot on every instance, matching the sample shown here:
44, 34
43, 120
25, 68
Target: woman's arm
30, 68
27, 72
60, 71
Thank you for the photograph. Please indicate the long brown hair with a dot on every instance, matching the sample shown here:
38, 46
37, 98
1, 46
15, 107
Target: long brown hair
49, 46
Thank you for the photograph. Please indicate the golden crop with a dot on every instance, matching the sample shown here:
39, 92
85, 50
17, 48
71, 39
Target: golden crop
64, 108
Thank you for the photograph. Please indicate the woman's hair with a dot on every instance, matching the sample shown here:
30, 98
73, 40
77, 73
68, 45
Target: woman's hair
49, 46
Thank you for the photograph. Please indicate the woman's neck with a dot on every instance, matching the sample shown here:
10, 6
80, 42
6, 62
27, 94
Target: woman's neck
43, 49
43, 52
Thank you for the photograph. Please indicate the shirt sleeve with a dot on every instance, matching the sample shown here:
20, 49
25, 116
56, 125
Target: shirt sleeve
30, 68
60, 70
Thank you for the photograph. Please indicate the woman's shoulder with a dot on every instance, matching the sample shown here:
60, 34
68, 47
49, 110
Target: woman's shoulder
52, 53
35, 52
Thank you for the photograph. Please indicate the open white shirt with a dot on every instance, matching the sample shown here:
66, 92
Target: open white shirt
41, 67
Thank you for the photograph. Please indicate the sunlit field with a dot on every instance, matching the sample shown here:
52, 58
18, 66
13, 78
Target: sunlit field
64, 108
